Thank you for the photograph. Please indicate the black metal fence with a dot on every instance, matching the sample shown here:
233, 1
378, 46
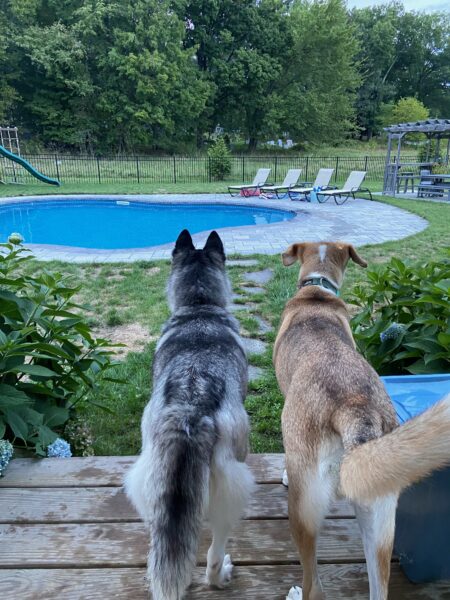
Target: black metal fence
177, 169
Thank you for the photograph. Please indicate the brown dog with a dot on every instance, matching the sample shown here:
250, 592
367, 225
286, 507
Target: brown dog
339, 426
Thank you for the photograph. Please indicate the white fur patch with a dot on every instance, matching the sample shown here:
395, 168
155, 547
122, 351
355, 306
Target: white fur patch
295, 593
322, 252
285, 479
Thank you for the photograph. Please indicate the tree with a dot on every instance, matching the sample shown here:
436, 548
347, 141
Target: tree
316, 92
406, 110
423, 64
240, 49
219, 160
376, 28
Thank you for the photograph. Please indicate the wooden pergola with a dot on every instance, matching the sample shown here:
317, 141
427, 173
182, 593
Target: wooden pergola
433, 129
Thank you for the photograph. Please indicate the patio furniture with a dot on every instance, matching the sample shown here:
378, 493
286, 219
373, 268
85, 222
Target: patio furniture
259, 180
322, 180
432, 185
282, 190
424, 183
351, 187
407, 178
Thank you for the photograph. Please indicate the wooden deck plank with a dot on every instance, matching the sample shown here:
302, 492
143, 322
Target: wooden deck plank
126, 544
97, 471
109, 504
341, 582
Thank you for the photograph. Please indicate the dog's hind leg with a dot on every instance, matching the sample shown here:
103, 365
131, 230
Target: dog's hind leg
311, 490
230, 487
377, 523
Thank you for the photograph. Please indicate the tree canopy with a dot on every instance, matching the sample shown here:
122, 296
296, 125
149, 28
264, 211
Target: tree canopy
142, 75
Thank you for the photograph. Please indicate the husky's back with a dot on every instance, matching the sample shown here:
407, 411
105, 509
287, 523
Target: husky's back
194, 429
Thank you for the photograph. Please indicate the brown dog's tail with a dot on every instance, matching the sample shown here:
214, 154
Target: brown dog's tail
388, 464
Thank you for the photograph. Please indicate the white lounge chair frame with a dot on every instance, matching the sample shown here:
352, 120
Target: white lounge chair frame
322, 180
282, 190
259, 180
351, 187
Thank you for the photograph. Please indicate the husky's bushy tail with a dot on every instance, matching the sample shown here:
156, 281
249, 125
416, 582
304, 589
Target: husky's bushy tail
388, 464
169, 487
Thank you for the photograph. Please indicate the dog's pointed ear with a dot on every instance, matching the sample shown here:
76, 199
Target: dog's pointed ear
292, 254
356, 257
214, 244
184, 242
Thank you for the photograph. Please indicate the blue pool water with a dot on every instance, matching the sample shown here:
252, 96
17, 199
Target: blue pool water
109, 224
412, 394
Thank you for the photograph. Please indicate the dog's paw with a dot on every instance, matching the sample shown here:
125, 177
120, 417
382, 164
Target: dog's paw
285, 481
222, 578
295, 593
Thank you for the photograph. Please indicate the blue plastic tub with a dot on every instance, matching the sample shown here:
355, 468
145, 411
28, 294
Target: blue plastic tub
422, 537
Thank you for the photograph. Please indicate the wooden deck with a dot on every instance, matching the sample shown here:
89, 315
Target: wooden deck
68, 532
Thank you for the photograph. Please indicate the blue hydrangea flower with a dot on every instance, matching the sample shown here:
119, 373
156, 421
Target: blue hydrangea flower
392, 332
6, 452
59, 449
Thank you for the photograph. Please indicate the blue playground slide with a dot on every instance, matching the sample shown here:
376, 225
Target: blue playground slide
26, 165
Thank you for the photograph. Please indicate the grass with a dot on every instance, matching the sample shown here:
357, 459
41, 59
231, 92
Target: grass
135, 293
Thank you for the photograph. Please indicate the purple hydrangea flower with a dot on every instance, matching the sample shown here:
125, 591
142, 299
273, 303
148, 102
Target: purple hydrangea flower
6, 452
59, 449
392, 332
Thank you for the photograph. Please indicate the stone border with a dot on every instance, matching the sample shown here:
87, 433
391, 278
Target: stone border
358, 221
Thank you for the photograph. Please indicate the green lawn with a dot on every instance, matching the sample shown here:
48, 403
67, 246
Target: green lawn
122, 294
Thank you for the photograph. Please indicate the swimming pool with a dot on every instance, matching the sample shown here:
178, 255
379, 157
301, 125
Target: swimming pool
121, 223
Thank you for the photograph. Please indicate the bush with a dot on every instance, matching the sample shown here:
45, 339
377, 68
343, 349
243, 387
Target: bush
404, 324
219, 160
49, 360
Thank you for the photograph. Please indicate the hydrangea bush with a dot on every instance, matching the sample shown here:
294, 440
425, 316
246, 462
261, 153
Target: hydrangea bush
404, 322
50, 363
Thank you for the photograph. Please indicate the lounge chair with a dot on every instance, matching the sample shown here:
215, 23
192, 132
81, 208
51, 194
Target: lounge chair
322, 180
259, 180
351, 187
282, 190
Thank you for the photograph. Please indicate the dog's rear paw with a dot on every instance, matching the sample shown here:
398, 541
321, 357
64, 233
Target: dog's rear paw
295, 593
285, 481
222, 578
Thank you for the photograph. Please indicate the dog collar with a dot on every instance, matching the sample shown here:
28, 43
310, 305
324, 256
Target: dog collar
322, 282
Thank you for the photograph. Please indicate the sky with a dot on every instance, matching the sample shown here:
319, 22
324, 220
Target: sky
425, 5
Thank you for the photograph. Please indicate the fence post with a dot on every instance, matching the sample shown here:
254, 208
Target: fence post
337, 168
243, 169
57, 167
174, 170
98, 169
209, 170
137, 169
365, 164
276, 165
306, 170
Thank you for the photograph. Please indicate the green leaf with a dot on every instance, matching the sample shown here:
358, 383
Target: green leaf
17, 424
11, 396
35, 370
55, 415
46, 435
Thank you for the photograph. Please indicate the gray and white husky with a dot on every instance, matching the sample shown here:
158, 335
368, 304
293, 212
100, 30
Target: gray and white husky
195, 428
